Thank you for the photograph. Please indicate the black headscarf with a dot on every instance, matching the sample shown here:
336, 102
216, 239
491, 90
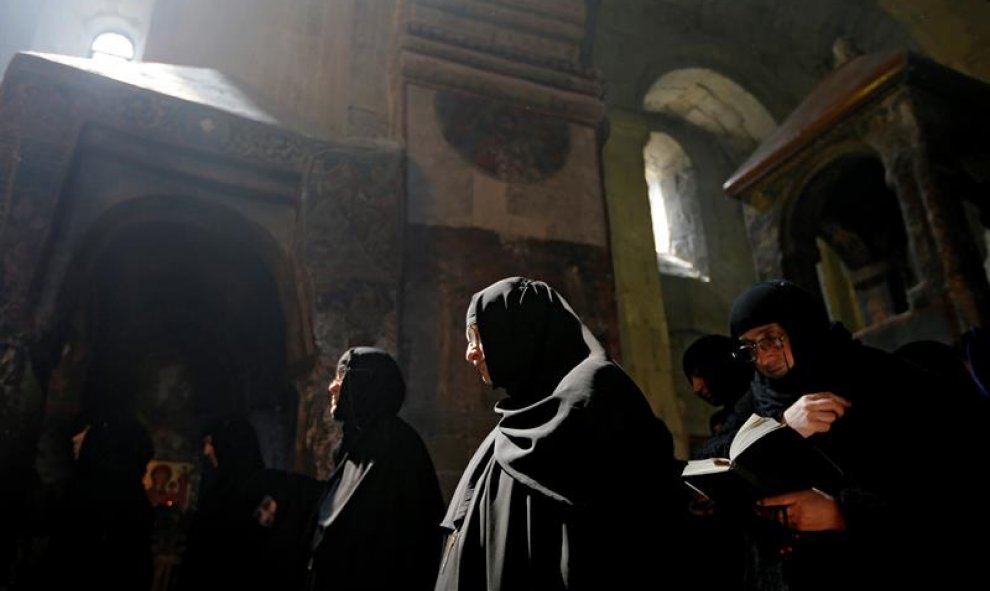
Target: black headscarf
710, 358
815, 342
236, 445
540, 352
115, 445
530, 335
799, 312
372, 390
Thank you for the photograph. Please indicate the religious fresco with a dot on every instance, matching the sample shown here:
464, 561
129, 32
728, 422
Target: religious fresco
509, 142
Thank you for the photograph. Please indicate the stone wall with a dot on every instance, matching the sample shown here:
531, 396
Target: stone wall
323, 64
953, 32
17, 27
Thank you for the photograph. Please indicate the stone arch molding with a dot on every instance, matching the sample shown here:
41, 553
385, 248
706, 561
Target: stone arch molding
705, 99
713, 102
75, 253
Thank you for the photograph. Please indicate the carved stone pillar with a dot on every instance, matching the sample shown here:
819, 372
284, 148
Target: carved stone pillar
644, 331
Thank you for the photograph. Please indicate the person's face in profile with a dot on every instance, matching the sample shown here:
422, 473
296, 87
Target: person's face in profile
769, 348
77, 442
334, 390
210, 452
700, 389
475, 354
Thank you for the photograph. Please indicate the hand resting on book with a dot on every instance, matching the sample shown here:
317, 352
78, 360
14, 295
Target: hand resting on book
806, 510
815, 413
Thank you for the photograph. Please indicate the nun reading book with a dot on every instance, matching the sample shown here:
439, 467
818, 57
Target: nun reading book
766, 458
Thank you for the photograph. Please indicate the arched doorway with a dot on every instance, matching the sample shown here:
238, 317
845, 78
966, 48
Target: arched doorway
178, 310
182, 325
175, 311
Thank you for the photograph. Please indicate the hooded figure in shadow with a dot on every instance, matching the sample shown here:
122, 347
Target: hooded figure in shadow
721, 380
574, 488
378, 524
249, 530
102, 537
224, 538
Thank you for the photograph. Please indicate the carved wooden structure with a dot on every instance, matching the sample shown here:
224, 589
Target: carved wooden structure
874, 167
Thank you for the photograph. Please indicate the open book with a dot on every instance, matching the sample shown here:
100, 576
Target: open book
766, 458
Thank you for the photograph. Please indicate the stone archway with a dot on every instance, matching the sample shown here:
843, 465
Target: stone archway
177, 311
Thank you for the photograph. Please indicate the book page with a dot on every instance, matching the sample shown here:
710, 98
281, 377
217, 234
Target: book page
706, 466
753, 429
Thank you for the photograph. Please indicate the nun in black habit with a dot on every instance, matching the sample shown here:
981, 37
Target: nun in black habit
102, 537
575, 487
225, 540
378, 524
891, 520
250, 529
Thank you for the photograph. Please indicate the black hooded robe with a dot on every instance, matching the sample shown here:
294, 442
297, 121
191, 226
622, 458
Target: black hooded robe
574, 487
102, 538
227, 547
378, 525
900, 526
225, 542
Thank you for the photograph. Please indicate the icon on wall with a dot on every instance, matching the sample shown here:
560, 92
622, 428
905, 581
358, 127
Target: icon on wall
168, 484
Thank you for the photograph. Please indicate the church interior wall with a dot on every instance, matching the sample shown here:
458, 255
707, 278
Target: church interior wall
323, 64
470, 140
330, 68
953, 32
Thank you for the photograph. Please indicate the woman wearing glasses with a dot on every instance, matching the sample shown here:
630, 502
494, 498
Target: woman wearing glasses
862, 407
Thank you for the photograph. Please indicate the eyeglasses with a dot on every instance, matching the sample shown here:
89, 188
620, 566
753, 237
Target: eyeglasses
748, 352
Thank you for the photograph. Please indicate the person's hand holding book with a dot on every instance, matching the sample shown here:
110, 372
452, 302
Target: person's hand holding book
766, 458
815, 413
806, 510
